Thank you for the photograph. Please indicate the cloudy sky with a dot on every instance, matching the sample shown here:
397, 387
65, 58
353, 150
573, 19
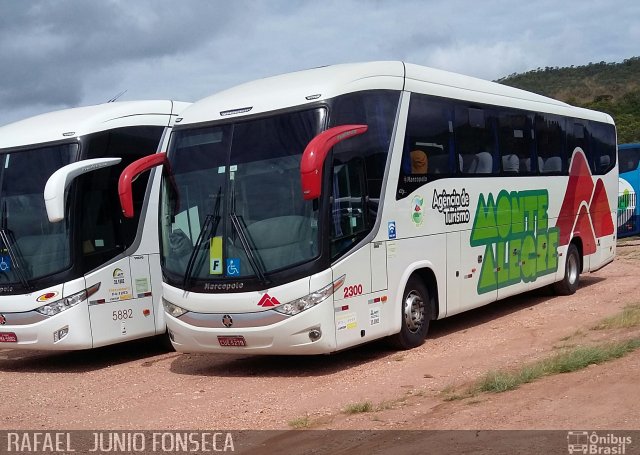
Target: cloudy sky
64, 53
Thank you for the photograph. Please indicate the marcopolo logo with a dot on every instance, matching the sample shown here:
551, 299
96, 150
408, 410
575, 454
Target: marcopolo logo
519, 244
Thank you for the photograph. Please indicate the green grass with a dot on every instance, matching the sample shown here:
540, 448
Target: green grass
356, 408
576, 334
629, 318
565, 362
300, 422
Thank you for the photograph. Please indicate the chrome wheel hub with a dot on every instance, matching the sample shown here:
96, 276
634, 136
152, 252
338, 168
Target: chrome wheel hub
413, 311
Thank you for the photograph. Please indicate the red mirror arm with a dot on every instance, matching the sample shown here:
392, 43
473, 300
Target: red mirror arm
316, 152
130, 173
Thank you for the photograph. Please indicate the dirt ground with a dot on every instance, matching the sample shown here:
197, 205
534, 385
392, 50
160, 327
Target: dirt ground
138, 386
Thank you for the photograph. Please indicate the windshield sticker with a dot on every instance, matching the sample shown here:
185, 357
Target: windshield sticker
233, 267
374, 316
46, 297
142, 285
215, 256
454, 206
347, 322
116, 294
519, 244
5, 263
118, 277
417, 214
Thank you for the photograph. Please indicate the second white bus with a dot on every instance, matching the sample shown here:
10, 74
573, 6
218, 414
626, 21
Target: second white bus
74, 273
310, 212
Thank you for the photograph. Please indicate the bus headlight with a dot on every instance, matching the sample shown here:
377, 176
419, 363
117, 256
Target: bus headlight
304, 303
173, 310
53, 308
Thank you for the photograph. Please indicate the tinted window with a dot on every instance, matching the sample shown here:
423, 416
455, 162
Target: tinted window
516, 148
603, 147
359, 163
104, 231
550, 143
629, 159
427, 152
475, 140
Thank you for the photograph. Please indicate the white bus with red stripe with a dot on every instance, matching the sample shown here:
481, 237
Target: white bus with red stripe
74, 273
314, 211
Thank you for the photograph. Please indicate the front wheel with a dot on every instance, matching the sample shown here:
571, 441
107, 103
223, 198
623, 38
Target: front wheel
571, 278
415, 315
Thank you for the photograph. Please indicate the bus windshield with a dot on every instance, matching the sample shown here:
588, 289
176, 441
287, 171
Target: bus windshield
232, 206
30, 246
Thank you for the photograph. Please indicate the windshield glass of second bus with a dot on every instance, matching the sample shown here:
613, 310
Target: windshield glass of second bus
233, 206
30, 246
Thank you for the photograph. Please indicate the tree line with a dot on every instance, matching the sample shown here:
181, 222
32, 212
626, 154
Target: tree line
613, 88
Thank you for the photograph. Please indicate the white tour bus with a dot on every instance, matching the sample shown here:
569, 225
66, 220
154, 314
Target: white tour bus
74, 273
317, 210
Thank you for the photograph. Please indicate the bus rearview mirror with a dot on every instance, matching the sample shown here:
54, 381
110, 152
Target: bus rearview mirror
316, 152
56, 185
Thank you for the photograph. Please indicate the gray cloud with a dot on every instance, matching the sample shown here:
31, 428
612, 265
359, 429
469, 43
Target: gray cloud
67, 53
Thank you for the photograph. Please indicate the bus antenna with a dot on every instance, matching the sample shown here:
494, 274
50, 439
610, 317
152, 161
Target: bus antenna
117, 96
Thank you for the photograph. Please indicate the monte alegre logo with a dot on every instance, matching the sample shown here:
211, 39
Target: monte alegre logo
519, 244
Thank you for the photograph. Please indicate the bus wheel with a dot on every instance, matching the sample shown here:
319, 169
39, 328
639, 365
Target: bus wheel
571, 279
415, 316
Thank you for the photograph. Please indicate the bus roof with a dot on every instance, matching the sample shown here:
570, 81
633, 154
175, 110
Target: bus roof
76, 122
309, 86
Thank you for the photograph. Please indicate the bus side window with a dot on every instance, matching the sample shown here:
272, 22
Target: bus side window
603, 146
359, 164
550, 143
577, 137
628, 158
514, 142
349, 208
428, 152
475, 139
104, 231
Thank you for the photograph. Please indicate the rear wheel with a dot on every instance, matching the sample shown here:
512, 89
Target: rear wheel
415, 315
571, 278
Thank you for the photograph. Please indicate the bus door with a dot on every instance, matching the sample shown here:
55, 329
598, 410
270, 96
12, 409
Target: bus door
122, 308
358, 304
478, 272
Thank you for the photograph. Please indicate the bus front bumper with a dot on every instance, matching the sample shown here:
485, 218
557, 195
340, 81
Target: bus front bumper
68, 330
310, 332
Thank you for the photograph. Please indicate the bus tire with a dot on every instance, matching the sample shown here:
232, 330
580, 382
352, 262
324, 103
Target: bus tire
569, 283
415, 315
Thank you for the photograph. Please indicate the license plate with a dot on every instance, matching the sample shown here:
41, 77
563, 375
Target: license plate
232, 341
8, 337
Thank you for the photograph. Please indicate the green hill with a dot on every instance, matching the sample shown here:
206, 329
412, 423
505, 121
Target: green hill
609, 87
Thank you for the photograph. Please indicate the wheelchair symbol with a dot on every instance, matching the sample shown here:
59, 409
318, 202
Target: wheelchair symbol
233, 267
391, 228
4, 265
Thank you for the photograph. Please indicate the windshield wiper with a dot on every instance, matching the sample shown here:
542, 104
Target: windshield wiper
15, 254
9, 241
249, 247
209, 220
246, 241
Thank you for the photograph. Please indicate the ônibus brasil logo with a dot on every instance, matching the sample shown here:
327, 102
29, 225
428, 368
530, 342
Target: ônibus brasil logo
514, 227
